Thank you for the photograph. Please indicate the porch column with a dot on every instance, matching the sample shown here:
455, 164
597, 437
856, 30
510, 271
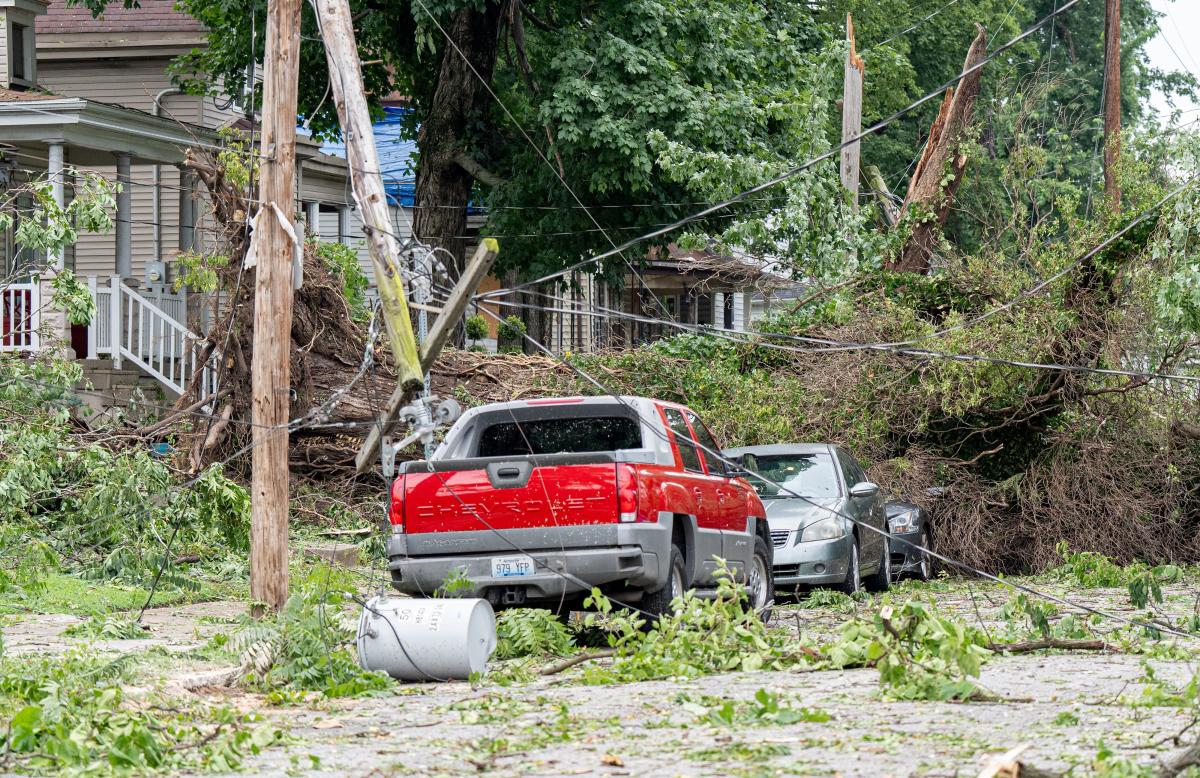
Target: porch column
56, 172
312, 215
747, 312
124, 217
343, 235
187, 211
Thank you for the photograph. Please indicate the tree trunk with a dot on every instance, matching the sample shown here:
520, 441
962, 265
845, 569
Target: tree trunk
460, 100
940, 169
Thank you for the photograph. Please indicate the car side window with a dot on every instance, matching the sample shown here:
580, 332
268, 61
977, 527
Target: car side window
706, 440
683, 438
848, 475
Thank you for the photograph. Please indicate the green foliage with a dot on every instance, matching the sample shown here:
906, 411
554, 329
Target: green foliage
457, 584
921, 655
525, 632
831, 599
701, 636
108, 627
476, 327
200, 272
44, 225
1092, 570
237, 157
99, 512
304, 646
766, 709
510, 334
342, 261
72, 297
70, 714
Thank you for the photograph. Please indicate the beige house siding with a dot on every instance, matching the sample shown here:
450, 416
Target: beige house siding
132, 83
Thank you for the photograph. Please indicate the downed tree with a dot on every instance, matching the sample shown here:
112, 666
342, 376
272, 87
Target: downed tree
941, 166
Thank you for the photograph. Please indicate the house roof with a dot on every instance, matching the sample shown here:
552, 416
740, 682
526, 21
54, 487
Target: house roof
152, 16
15, 96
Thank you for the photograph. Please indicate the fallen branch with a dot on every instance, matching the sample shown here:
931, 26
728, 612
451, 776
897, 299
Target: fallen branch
1029, 646
571, 661
175, 415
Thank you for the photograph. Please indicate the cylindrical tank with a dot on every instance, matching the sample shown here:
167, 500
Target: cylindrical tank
426, 640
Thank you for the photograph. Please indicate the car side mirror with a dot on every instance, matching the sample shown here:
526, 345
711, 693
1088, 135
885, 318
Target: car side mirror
864, 489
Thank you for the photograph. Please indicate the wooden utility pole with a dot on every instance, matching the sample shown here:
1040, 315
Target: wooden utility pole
271, 370
852, 91
448, 318
345, 76
1112, 100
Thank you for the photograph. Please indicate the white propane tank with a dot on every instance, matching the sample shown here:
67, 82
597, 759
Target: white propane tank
426, 640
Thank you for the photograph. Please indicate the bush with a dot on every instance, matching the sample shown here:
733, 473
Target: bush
476, 327
510, 334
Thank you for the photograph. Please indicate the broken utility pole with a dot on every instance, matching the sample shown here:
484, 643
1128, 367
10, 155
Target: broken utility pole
1112, 100
274, 250
852, 91
451, 314
345, 77
345, 73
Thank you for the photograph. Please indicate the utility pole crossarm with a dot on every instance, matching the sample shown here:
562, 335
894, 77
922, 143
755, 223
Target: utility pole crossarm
452, 312
345, 77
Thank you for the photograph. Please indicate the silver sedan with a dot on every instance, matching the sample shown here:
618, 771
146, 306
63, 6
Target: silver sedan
809, 489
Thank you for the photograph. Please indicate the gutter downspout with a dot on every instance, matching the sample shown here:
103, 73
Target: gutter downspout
156, 207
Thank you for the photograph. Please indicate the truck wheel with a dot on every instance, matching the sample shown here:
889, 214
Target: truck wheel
658, 603
853, 582
760, 583
881, 579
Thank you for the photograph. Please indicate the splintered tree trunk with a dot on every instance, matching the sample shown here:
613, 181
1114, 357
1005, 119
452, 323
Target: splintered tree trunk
460, 100
940, 170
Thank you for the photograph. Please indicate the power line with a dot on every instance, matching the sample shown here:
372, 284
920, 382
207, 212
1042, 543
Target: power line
797, 170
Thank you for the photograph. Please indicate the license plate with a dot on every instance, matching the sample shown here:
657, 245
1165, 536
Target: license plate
511, 566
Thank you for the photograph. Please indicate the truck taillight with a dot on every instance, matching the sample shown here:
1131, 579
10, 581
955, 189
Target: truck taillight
396, 514
627, 493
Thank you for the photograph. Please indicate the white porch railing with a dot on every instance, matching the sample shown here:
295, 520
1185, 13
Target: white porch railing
149, 331
20, 316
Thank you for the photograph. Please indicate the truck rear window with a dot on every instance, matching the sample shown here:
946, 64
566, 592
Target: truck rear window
560, 436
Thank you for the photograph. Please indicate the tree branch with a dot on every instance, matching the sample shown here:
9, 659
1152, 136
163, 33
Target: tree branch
477, 171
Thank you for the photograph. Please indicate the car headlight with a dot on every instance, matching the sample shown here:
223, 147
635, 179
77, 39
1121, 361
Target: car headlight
903, 522
825, 529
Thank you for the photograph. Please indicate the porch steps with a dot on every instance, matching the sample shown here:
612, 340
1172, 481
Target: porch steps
112, 387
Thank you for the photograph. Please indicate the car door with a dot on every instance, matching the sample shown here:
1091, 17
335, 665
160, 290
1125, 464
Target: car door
737, 546
700, 484
731, 502
867, 510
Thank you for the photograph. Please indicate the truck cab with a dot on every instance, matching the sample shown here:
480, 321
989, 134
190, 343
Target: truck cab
534, 502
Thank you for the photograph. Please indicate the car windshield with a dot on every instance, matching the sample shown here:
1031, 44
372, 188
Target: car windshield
792, 475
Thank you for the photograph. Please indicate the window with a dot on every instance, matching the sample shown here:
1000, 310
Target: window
683, 437
19, 64
850, 470
581, 434
728, 312
706, 441
803, 475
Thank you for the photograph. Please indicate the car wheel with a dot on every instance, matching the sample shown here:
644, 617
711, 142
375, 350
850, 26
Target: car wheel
853, 582
881, 579
760, 584
925, 566
658, 603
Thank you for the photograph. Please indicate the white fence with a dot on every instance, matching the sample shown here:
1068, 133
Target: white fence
150, 331
20, 316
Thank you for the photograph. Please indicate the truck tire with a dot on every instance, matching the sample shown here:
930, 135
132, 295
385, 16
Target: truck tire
881, 579
760, 583
853, 582
658, 603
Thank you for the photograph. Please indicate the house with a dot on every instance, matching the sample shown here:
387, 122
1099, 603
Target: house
80, 93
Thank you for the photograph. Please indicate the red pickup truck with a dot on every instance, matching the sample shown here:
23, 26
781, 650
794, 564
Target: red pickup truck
534, 502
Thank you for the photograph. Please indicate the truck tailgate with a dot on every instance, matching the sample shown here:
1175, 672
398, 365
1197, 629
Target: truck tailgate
509, 493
